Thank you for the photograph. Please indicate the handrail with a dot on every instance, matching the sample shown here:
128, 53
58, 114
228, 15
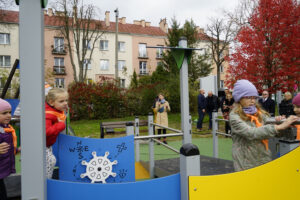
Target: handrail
220, 133
157, 136
171, 129
167, 146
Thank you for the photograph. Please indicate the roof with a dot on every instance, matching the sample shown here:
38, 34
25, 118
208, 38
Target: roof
8, 16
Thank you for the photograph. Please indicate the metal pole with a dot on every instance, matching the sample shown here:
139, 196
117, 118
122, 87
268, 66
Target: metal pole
129, 128
215, 135
184, 96
137, 142
116, 45
151, 146
31, 35
9, 79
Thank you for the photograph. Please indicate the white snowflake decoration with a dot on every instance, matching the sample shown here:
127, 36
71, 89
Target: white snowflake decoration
99, 168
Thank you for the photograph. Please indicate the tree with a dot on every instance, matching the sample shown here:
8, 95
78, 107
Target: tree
220, 35
81, 30
268, 51
198, 66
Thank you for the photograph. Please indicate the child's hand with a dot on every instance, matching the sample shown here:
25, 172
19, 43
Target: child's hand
287, 123
4, 147
279, 118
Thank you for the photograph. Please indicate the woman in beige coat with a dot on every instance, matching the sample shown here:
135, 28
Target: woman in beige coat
162, 108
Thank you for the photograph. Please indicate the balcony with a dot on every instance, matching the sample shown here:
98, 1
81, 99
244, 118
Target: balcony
59, 70
58, 50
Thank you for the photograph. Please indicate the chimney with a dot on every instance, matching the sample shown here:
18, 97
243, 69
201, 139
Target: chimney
122, 20
200, 30
136, 22
143, 23
50, 12
163, 25
107, 22
148, 23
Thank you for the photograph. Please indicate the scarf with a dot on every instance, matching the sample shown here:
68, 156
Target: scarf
11, 130
254, 118
251, 110
298, 132
60, 116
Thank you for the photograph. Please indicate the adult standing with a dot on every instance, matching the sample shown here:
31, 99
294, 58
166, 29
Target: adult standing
162, 108
248, 129
212, 105
267, 103
201, 109
227, 107
286, 107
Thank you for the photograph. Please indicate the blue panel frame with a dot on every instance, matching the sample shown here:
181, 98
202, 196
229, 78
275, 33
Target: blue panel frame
166, 188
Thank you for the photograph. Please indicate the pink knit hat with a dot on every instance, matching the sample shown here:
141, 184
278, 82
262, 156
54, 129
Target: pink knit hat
296, 100
4, 105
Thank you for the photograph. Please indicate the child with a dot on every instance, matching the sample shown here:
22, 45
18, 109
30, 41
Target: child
56, 104
249, 134
8, 146
296, 103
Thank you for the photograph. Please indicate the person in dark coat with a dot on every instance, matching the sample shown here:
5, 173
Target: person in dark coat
201, 109
212, 105
286, 107
267, 103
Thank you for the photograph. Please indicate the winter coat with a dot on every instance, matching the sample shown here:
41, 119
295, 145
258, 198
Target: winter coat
268, 105
212, 103
248, 151
286, 108
162, 114
7, 160
53, 126
227, 107
201, 102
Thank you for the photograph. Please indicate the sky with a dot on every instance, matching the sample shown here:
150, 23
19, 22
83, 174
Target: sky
154, 10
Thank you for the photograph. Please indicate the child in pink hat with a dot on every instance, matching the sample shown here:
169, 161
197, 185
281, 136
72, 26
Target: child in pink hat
8, 146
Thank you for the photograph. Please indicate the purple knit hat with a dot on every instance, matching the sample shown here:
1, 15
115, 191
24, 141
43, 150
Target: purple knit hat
4, 105
296, 100
243, 88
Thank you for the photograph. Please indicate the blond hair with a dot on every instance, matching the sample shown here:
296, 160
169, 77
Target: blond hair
54, 93
238, 109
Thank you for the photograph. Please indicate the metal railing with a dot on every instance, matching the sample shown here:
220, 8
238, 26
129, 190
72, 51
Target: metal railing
133, 128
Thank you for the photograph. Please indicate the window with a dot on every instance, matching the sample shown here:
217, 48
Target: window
121, 64
104, 64
221, 69
159, 52
58, 44
59, 62
142, 50
4, 38
87, 63
121, 46
221, 84
87, 44
143, 67
5, 61
60, 82
103, 45
122, 83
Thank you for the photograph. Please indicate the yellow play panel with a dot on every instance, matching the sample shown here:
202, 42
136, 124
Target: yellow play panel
276, 180
140, 171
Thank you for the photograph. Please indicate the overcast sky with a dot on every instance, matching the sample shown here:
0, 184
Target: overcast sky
154, 10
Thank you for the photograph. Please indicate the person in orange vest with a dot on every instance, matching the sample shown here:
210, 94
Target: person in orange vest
296, 103
55, 107
8, 146
249, 132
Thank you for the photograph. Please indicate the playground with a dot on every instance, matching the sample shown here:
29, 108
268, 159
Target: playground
131, 162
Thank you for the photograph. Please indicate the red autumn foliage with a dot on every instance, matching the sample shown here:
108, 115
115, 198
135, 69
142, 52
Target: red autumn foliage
268, 51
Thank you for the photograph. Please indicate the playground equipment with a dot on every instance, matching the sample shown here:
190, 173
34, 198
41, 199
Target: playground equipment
172, 187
